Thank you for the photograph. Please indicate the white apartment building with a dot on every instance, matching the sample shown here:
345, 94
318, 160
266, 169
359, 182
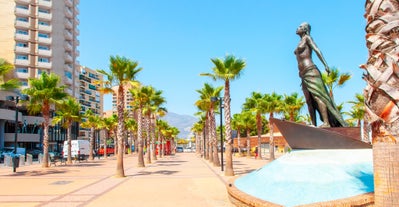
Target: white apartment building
37, 36
41, 35
90, 96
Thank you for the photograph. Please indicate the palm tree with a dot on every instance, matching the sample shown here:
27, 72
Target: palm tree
292, 105
227, 70
141, 98
273, 105
68, 111
44, 92
334, 79
92, 121
237, 124
122, 74
381, 97
131, 126
358, 109
206, 95
197, 128
110, 124
248, 123
5, 69
257, 105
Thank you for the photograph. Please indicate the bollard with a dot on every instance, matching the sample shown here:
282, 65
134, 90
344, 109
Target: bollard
29, 158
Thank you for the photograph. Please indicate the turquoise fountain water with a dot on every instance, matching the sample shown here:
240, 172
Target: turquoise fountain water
309, 176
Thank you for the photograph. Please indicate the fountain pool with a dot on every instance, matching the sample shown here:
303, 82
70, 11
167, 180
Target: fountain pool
309, 176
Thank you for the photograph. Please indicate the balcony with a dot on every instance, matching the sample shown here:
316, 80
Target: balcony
46, 4
67, 81
24, 50
44, 40
68, 57
46, 53
68, 3
44, 65
68, 68
22, 62
45, 16
68, 24
22, 37
23, 1
68, 46
22, 75
22, 24
44, 28
22, 12
69, 91
68, 13
68, 35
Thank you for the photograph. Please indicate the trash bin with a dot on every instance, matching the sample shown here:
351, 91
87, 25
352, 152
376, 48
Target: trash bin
15, 161
29, 158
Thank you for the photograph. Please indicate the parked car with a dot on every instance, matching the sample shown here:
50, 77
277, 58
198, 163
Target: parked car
110, 150
34, 152
179, 149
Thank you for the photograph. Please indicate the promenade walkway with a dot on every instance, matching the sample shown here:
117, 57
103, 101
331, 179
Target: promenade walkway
183, 179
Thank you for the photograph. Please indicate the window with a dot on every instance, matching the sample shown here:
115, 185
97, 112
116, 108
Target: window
46, 11
44, 23
22, 70
43, 60
24, 32
22, 44
19, 6
44, 35
22, 19
43, 47
22, 57
68, 74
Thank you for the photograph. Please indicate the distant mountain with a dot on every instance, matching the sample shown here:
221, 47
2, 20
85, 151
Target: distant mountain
182, 122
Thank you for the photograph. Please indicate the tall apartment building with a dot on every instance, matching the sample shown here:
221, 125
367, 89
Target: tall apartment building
37, 36
127, 97
41, 35
90, 97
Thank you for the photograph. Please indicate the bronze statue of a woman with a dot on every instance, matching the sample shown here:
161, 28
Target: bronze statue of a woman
314, 89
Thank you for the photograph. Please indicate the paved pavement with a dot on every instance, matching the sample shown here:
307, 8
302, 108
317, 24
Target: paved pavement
184, 179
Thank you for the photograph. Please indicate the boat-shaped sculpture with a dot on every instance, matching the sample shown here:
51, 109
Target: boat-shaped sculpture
300, 136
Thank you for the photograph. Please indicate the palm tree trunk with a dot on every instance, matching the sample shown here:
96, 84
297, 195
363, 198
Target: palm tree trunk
148, 139
140, 156
216, 161
386, 174
69, 158
381, 97
248, 144
271, 141
46, 116
120, 172
239, 141
229, 141
91, 155
259, 132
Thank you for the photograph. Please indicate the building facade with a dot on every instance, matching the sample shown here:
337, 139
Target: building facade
90, 97
37, 36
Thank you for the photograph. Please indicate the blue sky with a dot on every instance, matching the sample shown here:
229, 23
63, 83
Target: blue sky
174, 41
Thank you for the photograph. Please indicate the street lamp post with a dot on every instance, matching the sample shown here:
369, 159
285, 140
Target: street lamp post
16, 99
214, 99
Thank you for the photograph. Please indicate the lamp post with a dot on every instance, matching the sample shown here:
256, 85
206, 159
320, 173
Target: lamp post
220, 99
16, 100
